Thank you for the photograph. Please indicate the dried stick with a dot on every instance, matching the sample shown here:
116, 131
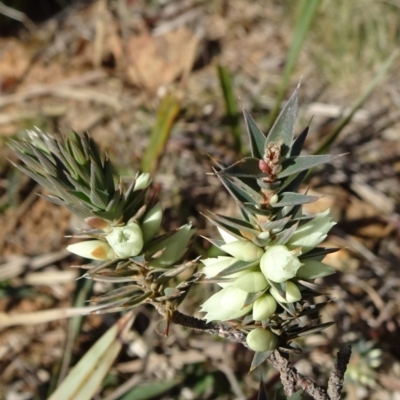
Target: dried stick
290, 377
336, 378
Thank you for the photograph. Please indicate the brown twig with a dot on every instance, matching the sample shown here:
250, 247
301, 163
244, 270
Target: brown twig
290, 377
335, 382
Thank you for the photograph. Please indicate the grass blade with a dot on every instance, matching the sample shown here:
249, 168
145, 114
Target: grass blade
85, 379
226, 83
306, 13
166, 117
327, 143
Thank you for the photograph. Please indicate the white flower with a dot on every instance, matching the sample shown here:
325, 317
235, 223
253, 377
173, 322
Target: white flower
251, 282
243, 250
264, 307
151, 222
261, 340
292, 293
142, 181
93, 249
127, 241
278, 264
312, 233
225, 305
312, 269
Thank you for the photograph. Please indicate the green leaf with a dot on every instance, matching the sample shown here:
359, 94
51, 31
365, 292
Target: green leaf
292, 199
283, 237
226, 83
326, 144
318, 253
85, 379
298, 143
283, 128
114, 294
293, 182
247, 167
252, 297
237, 224
305, 14
240, 191
311, 330
123, 305
173, 248
259, 358
293, 165
257, 138
166, 117
262, 392
237, 266
278, 224
150, 390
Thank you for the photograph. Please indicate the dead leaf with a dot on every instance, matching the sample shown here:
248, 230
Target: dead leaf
14, 60
157, 61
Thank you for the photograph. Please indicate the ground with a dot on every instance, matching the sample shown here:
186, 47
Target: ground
106, 67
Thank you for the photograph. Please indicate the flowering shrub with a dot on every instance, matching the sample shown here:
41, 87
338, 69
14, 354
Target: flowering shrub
273, 253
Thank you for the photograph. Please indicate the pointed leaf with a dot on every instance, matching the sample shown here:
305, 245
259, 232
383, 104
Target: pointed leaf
259, 358
240, 191
293, 165
237, 224
318, 253
298, 143
252, 297
283, 128
284, 236
247, 167
278, 224
262, 392
257, 138
292, 199
237, 266
311, 330
292, 183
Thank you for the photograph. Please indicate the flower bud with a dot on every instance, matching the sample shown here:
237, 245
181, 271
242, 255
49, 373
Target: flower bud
243, 250
93, 249
151, 222
127, 241
278, 264
251, 282
142, 181
264, 307
261, 340
312, 233
226, 236
274, 199
225, 305
293, 293
313, 269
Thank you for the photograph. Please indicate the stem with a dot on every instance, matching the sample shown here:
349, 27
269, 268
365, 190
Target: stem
290, 377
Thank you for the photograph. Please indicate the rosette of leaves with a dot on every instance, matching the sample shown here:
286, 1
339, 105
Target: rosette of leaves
273, 253
123, 221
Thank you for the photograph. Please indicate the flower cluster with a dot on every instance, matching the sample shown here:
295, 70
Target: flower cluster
272, 251
124, 221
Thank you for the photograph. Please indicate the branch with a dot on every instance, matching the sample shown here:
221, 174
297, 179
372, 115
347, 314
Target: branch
290, 377
336, 378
